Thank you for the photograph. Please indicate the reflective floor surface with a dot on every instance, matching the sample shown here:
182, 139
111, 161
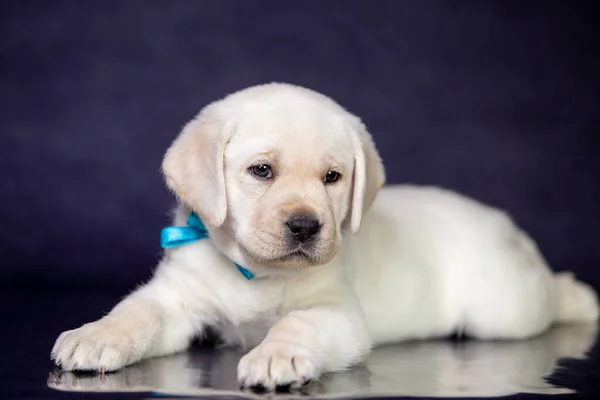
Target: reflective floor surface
425, 368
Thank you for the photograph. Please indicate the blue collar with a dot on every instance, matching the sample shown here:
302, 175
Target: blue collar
175, 236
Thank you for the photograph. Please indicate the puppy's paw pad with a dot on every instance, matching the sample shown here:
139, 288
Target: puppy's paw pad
273, 365
94, 347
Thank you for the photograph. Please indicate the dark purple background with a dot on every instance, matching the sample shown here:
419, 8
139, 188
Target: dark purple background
496, 99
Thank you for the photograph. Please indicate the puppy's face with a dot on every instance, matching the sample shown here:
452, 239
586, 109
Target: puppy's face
276, 172
288, 180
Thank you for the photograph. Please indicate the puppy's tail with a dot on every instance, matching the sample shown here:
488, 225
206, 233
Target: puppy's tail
575, 301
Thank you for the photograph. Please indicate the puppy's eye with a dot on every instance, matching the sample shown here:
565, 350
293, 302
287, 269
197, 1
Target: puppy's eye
263, 171
331, 177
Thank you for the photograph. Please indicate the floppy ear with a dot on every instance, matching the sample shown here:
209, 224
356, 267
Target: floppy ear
369, 174
193, 166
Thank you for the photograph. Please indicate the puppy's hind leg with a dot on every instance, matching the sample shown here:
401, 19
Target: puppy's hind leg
511, 292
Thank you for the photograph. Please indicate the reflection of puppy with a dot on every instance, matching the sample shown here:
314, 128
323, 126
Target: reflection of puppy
417, 368
278, 174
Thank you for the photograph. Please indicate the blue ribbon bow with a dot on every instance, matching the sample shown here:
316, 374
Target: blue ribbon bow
175, 236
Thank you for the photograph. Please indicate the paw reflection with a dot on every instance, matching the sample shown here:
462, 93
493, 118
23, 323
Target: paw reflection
431, 368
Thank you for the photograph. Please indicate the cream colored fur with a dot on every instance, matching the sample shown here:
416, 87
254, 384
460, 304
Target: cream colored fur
407, 263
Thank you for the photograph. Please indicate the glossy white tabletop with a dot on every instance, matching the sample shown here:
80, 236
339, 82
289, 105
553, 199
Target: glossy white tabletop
425, 368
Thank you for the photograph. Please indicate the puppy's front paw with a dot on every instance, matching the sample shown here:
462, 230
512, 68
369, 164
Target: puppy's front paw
97, 346
277, 364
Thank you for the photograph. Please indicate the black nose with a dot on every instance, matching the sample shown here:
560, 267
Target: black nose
302, 227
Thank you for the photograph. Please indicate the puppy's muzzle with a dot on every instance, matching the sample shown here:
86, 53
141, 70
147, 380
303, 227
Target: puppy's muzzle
302, 228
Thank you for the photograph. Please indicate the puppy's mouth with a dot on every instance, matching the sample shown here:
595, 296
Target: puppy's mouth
299, 255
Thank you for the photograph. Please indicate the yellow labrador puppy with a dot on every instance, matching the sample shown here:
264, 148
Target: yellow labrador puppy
300, 263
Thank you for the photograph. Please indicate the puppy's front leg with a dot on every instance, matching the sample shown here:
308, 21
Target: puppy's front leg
303, 345
152, 321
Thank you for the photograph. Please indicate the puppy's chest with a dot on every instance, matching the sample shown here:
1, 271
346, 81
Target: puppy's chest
249, 314
247, 334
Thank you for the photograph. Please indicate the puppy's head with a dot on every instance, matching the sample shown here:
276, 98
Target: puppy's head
276, 172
